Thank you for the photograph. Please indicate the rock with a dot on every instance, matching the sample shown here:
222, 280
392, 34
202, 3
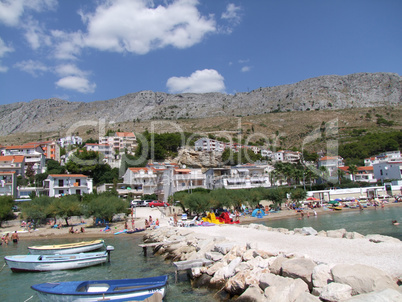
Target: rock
277, 288
322, 234
385, 295
214, 268
336, 292
244, 266
362, 278
249, 254
336, 233
195, 272
224, 247
214, 256
309, 231
307, 297
299, 268
321, 275
252, 294
230, 268
202, 281
258, 262
353, 235
239, 282
276, 266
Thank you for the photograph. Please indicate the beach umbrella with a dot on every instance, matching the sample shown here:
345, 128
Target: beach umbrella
311, 198
333, 202
338, 199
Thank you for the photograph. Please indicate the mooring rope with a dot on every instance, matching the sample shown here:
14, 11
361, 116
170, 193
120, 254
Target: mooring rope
2, 267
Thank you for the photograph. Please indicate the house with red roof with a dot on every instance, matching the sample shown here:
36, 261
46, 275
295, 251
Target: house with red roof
57, 185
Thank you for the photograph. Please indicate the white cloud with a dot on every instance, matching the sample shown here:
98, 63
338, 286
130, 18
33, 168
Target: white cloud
68, 45
232, 16
12, 10
139, 27
34, 68
200, 81
74, 78
77, 83
35, 34
3, 50
245, 68
232, 13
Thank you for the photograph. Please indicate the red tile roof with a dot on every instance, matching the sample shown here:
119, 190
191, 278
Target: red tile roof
68, 175
13, 158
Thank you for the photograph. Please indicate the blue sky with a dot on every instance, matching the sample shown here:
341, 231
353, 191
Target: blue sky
97, 50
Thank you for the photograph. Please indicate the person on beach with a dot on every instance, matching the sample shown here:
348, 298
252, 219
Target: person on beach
150, 220
14, 237
71, 231
125, 225
147, 225
82, 230
175, 220
6, 238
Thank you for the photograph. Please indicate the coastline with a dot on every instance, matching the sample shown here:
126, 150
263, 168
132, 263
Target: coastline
46, 232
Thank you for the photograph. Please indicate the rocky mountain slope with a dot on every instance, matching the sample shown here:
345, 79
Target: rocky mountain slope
321, 93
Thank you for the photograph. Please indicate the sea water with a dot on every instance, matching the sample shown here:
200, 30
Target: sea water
368, 221
127, 261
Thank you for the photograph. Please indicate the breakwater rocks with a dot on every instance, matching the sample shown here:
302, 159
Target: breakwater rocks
247, 273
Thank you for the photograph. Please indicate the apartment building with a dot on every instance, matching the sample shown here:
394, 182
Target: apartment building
33, 154
57, 185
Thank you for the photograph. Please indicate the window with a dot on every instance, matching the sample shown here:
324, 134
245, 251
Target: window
78, 181
78, 192
61, 182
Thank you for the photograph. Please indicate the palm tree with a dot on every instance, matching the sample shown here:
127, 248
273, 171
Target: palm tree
353, 170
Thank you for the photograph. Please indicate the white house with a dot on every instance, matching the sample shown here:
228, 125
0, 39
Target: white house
70, 140
57, 185
33, 153
207, 145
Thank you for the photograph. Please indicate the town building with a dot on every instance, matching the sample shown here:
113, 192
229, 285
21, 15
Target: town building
57, 185
70, 141
15, 163
33, 154
8, 183
120, 141
386, 171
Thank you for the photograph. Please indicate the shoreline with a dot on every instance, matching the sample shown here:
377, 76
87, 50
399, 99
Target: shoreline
46, 232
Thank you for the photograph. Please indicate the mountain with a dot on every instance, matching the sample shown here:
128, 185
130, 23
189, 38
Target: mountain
321, 93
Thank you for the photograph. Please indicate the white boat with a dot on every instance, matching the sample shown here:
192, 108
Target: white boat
40, 263
69, 248
143, 289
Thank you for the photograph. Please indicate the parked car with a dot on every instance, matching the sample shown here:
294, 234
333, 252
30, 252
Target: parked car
140, 203
158, 203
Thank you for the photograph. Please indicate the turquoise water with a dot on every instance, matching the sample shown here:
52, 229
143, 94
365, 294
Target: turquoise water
368, 221
127, 261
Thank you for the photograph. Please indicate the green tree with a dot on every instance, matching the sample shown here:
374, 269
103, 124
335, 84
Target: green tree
6, 208
54, 167
197, 202
298, 195
277, 196
66, 206
39, 208
353, 170
104, 206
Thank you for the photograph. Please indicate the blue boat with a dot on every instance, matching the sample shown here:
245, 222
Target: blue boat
103, 290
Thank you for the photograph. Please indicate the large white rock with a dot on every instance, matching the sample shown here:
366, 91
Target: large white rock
214, 268
386, 295
241, 281
224, 247
214, 256
307, 297
321, 275
336, 292
309, 231
277, 288
336, 233
362, 278
299, 268
276, 265
252, 294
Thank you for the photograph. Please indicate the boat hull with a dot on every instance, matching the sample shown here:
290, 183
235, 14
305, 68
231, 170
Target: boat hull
24, 263
64, 249
103, 290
